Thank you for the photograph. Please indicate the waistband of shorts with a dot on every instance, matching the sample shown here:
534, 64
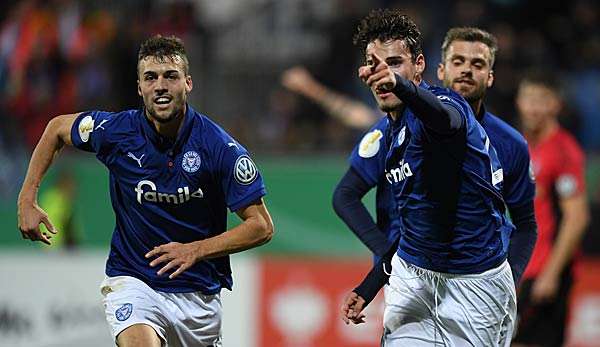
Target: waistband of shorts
493, 272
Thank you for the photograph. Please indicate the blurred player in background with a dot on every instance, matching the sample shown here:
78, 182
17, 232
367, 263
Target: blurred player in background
450, 280
350, 112
173, 174
561, 210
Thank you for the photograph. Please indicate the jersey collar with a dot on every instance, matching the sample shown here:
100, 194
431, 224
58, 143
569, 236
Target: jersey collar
163, 143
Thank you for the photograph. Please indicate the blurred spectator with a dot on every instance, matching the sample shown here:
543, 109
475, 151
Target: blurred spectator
57, 201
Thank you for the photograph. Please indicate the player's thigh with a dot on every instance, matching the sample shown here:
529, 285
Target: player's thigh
480, 310
139, 335
196, 318
129, 302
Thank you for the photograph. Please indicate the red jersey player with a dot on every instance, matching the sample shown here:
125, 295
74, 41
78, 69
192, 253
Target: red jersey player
561, 212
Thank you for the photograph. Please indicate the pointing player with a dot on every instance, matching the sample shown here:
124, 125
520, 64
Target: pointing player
173, 174
561, 210
450, 280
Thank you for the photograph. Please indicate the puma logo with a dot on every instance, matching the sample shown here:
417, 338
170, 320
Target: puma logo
138, 160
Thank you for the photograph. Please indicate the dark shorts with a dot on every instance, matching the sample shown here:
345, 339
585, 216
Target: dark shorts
543, 324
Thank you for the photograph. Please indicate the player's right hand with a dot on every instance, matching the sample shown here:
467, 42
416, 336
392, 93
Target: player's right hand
30, 216
352, 309
298, 80
378, 75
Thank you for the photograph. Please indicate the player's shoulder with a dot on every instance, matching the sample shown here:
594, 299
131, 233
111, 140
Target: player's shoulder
504, 131
445, 94
373, 140
112, 123
210, 132
567, 143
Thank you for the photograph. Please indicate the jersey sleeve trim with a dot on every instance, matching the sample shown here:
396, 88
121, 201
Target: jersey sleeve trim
248, 199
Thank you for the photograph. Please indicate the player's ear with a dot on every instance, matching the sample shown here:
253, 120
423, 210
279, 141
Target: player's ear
139, 88
440, 72
188, 83
419, 65
490, 81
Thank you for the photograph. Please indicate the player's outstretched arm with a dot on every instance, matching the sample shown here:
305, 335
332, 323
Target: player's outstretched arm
30, 215
257, 229
437, 116
352, 113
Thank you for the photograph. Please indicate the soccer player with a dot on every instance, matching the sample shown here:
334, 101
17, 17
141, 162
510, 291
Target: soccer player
173, 174
468, 56
450, 281
561, 210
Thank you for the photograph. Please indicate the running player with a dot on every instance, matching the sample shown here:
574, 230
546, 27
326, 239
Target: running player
450, 280
173, 174
561, 210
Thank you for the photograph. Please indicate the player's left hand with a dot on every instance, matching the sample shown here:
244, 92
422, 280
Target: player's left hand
178, 255
544, 288
378, 75
352, 309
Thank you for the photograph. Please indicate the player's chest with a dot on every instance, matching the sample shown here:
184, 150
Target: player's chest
176, 172
403, 156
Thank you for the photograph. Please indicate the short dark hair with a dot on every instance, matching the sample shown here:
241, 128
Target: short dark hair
471, 34
162, 48
389, 24
541, 77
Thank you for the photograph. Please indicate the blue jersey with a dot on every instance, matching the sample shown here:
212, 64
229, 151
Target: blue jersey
448, 194
512, 150
168, 191
368, 160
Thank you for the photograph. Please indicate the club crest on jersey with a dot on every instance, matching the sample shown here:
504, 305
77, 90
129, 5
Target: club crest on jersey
124, 312
86, 126
191, 161
370, 143
401, 136
245, 171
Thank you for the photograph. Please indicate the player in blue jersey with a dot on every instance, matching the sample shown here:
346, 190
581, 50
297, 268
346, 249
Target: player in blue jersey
450, 280
468, 56
173, 174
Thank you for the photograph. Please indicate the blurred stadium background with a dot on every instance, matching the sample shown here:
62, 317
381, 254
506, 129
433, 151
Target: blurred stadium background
59, 56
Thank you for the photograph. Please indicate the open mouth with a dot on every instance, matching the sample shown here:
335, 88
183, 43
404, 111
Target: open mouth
162, 100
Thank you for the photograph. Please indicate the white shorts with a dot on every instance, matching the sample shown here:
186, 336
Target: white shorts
179, 319
427, 308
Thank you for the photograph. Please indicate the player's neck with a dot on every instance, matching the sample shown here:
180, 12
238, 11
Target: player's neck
397, 114
476, 107
542, 133
169, 129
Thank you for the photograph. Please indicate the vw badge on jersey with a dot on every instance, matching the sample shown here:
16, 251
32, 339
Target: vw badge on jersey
124, 312
191, 161
244, 170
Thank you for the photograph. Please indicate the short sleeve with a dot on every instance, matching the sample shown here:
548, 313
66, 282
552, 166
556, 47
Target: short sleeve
91, 132
368, 157
520, 183
241, 181
570, 179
